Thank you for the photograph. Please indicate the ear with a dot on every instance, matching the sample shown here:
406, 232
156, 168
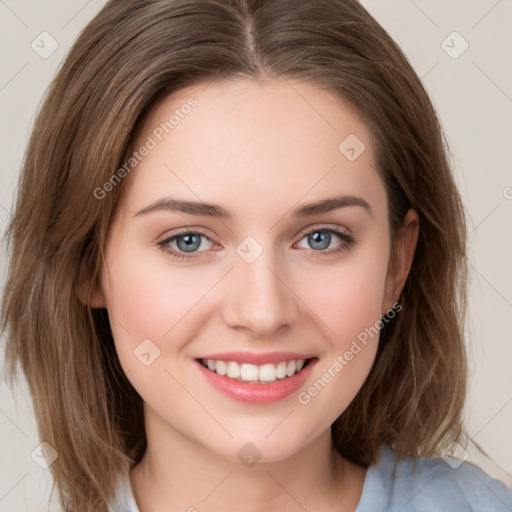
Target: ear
400, 265
90, 293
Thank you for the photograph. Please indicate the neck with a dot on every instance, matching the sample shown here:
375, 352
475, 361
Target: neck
177, 474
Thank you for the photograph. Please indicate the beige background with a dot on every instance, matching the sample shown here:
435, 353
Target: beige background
473, 95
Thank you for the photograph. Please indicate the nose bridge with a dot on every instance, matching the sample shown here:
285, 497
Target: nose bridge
259, 298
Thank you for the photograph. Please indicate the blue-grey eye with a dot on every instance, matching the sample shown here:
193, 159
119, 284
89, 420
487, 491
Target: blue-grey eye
189, 242
186, 242
319, 239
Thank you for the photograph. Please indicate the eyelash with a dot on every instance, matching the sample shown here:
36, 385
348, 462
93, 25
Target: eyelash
347, 242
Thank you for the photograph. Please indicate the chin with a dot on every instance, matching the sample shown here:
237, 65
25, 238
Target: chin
259, 448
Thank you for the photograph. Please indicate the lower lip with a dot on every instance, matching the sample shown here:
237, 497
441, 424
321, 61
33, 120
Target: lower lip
251, 392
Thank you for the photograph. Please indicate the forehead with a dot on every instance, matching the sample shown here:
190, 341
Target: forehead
253, 141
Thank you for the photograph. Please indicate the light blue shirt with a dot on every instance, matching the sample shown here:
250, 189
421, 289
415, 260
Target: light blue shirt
435, 486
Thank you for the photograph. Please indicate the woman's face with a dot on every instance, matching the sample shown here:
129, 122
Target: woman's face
261, 279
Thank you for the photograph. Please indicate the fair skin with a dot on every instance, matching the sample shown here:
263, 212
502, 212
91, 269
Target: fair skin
259, 150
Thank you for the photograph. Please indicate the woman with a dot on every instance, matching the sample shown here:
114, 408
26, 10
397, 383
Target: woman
238, 267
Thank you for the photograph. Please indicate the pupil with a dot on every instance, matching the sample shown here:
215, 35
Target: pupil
191, 243
317, 237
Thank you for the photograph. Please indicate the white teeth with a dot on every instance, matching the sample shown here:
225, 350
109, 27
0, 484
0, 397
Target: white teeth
233, 370
267, 372
290, 369
250, 372
281, 370
220, 367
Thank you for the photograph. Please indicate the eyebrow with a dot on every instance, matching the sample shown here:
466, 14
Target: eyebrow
216, 211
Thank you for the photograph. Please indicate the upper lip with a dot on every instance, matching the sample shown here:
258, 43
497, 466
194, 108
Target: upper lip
257, 358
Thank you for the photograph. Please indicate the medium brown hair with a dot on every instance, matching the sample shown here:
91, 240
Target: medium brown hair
135, 53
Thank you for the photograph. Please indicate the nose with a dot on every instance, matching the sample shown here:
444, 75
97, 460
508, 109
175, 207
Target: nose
259, 299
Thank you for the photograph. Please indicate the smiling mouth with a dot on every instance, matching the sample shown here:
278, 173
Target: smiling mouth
258, 374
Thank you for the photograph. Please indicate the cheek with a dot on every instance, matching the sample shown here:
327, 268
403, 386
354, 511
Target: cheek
150, 298
152, 307
355, 304
348, 296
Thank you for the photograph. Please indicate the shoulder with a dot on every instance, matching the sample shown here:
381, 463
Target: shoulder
424, 484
